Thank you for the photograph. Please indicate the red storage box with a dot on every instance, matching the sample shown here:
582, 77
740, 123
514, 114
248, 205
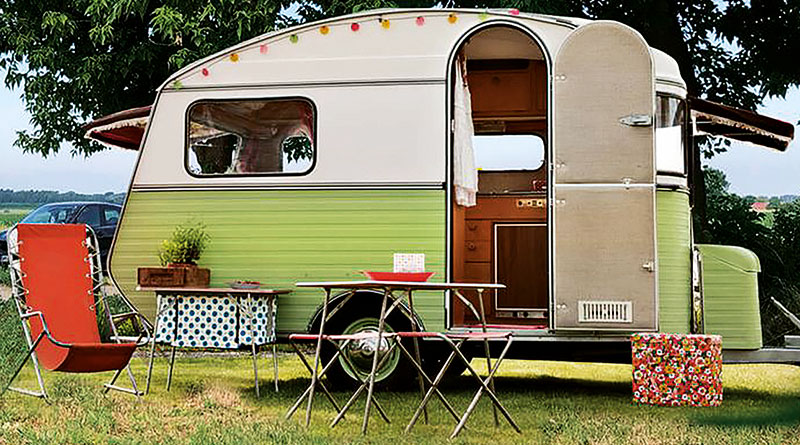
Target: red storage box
677, 369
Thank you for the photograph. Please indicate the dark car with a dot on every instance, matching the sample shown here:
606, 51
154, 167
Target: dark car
101, 216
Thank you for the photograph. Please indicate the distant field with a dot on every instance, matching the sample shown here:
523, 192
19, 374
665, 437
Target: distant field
10, 214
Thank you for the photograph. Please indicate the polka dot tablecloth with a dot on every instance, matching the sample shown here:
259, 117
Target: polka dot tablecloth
215, 321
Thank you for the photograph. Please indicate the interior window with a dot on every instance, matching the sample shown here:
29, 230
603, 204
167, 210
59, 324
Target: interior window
508, 152
110, 215
89, 215
263, 136
670, 133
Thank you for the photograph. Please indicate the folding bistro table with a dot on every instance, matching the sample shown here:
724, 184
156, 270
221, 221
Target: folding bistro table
215, 318
405, 291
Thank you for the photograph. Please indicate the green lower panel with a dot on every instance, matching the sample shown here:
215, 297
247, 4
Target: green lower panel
730, 295
674, 261
280, 237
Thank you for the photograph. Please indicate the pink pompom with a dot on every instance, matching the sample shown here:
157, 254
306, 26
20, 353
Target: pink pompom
263, 49
513, 11
420, 21
355, 27
204, 71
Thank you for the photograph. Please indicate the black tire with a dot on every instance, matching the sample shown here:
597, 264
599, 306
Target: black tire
361, 314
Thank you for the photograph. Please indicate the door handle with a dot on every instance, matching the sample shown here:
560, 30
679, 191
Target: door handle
649, 266
637, 120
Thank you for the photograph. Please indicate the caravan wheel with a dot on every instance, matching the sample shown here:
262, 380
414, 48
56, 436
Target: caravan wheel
395, 373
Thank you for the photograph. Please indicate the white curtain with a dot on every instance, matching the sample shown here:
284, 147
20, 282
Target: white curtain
465, 176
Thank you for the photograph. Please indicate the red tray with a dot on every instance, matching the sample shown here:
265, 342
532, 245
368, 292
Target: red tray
398, 276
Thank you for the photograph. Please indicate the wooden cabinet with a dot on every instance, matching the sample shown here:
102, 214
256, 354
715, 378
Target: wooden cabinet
508, 88
503, 239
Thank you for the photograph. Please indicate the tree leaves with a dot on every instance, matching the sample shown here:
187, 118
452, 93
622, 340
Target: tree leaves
79, 59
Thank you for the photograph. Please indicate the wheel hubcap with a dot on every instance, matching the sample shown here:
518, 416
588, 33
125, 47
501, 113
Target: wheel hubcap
362, 352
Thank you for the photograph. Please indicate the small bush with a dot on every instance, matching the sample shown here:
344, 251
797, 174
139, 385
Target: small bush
188, 242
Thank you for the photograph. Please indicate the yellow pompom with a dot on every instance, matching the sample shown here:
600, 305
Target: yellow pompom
452, 18
324, 30
234, 57
385, 23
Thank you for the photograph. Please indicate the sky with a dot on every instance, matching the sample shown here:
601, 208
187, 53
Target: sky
750, 170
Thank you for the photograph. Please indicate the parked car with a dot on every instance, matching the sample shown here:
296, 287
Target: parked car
101, 216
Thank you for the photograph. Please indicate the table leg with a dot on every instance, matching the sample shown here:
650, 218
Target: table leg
486, 350
273, 304
171, 365
414, 328
370, 390
251, 316
275, 363
317, 354
150, 361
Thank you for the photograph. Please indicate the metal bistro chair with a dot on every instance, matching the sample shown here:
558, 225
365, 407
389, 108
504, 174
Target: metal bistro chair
340, 343
455, 341
57, 284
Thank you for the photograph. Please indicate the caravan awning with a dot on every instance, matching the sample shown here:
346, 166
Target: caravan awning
742, 125
123, 129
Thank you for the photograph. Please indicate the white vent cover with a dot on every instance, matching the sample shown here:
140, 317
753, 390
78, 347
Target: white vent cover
605, 312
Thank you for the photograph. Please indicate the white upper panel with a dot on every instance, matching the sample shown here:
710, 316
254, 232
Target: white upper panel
330, 51
380, 93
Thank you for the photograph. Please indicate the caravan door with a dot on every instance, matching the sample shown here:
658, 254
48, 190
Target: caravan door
604, 249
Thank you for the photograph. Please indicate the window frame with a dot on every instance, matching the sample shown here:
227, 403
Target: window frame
187, 120
685, 136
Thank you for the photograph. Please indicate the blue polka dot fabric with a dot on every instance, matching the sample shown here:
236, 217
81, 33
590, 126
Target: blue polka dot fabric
166, 319
257, 320
215, 321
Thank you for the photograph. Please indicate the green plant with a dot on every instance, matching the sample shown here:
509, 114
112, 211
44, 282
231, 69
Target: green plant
187, 243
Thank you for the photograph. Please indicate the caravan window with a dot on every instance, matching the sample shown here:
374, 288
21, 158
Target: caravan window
670, 132
251, 137
508, 152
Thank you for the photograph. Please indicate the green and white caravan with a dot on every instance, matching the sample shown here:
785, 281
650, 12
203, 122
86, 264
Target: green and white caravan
314, 152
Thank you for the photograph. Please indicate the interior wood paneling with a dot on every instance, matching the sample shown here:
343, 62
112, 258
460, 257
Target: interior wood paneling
523, 255
521, 261
500, 89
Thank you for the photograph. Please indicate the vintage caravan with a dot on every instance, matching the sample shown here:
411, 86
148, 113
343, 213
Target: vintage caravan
318, 151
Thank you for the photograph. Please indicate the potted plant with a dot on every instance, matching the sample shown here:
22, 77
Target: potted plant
178, 256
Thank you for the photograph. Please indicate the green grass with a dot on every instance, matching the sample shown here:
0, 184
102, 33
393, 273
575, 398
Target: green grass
212, 401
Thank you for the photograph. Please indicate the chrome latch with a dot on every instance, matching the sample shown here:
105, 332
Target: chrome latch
649, 266
637, 120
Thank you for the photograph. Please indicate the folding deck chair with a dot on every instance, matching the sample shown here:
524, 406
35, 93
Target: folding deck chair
57, 284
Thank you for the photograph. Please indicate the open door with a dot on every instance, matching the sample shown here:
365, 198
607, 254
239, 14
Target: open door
604, 181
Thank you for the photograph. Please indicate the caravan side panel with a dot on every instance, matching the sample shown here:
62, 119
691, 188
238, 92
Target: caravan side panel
280, 237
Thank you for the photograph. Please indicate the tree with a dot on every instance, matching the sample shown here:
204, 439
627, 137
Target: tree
78, 59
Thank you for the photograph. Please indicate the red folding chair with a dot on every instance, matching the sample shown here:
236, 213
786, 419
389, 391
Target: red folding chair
57, 284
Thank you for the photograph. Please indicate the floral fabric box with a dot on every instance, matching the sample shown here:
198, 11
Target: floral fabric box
677, 369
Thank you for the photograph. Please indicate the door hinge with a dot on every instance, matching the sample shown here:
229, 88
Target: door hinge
637, 120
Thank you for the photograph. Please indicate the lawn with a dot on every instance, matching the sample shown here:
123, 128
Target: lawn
212, 401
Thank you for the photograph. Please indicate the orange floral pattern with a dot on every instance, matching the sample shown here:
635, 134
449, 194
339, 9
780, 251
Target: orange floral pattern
677, 369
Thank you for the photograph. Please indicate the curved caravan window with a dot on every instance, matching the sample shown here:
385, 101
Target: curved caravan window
670, 135
508, 152
251, 137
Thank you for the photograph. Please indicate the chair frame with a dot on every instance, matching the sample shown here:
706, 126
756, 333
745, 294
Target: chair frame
18, 293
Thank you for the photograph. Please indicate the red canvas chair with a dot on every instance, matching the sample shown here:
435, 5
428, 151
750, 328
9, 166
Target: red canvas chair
57, 281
